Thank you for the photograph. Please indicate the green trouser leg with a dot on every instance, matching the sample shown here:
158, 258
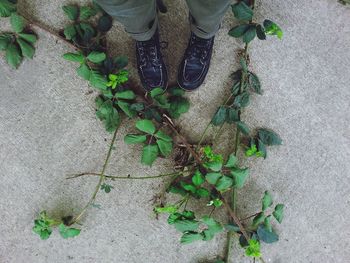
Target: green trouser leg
139, 17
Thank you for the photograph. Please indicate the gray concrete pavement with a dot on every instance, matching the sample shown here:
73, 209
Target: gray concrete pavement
48, 129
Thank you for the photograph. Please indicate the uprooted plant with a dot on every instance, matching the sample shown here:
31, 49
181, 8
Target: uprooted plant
200, 174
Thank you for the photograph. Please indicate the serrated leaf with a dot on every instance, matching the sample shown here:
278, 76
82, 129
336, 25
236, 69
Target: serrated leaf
190, 237
269, 137
238, 31
165, 147
188, 187
266, 200
250, 34
202, 192
186, 225
197, 178
84, 71
253, 250
214, 165
108, 115
26, 48
156, 92
6, 8
86, 12
243, 127
175, 91
161, 135
17, 22
146, 126
212, 178
224, 183
254, 83
214, 227
232, 161
259, 218
178, 106
232, 115
97, 80
149, 154
67, 232
13, 56
96, 56
71, 11
126, 108
75, 57
239, 176
242, 100
70, 32
5, 40
220, 116
126, 94
242, 12
31, 38
265, 235
135, 138
278, 213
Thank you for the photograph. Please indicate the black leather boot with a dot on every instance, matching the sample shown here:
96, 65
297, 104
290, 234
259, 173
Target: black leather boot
150, 64
195, 64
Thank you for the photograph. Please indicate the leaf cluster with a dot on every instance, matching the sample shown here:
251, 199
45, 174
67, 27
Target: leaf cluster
17, 44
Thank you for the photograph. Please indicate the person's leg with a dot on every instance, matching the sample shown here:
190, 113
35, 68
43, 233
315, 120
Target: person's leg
206, 16
139, 17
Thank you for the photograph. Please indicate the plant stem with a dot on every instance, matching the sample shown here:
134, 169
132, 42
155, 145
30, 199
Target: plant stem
102, 177
125, 177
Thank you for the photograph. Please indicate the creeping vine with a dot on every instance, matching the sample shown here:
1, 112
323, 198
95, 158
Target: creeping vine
200, 174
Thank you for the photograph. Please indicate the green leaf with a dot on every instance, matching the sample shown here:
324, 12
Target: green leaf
17, 22
259, 218
188, 187
138, 106
135, 138
84, 71
260, 32
261, 149
97, 80
238, 31
67, 232
166, 209
186, 225
254, 83
239, 176
214, 227
70, 32
146, 126
232, 161
278, 213
175, 91
232, 115
161, 135
224, 183
27, 49
86, 12
269, 137
107, 114
104, 23
96, 57
5, 40
232, 227
253, 250
13, 56
242, 12
212, 178
31, 38
75, 57
243, 64
156, 92
214, 165
202, 192
220, 116
6, 8
250, 34
125, 107
71, 11
126, 94
149, 154
266, 200
243, 127
267, 223
190, 237
165, 147
242, 100
265, 235
272, 28
178, 106
197, 178
107, 188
